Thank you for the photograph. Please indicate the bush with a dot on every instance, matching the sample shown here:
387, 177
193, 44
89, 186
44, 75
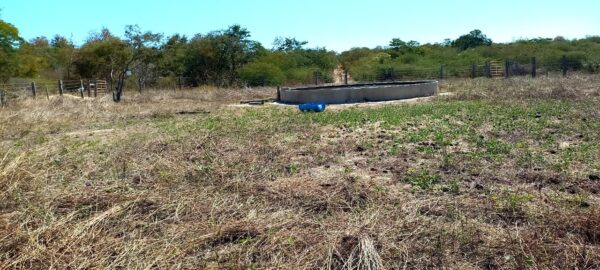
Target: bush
262, 74
591, 66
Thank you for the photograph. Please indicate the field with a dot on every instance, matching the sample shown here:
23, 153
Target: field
499, 174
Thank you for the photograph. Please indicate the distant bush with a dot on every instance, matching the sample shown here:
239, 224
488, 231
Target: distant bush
591, 66
262, 74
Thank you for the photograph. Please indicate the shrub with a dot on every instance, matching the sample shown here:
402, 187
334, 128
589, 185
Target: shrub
255, 74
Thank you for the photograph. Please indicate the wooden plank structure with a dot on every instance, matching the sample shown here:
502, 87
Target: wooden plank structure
80, 87
101, 86
496, 69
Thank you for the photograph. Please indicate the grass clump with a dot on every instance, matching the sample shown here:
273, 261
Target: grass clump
422, 179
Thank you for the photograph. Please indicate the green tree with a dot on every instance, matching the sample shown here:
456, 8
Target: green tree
323, 59
63, 55
33, 57
9, 41
471, 40
238, 50
102, 56
216, 58
350, 58
399, 47
288, 44
397, 44
145, 53
297, 67
142, 52
172, 59
262, 74
446, 43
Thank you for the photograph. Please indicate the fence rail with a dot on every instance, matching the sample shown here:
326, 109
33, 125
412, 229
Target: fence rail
34, 89
494, 68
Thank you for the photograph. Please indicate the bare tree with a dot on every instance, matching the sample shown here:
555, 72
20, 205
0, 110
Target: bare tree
141, 45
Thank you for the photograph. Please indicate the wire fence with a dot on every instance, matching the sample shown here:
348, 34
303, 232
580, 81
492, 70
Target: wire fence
35, 89
491, 69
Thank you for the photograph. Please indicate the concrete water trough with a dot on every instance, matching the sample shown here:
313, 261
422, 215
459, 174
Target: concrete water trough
359, 92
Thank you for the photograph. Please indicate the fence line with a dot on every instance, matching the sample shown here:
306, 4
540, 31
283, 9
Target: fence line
495, 68
34, 89
492, 68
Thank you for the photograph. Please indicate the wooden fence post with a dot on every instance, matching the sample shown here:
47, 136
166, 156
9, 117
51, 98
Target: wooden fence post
47, 94
473, 71
488, 69
345, 76
441, 71
506, 69
563, 65
1, 98
33, 89
89, 88
81, 88
533, 67
278, 93
61, 87
180, 83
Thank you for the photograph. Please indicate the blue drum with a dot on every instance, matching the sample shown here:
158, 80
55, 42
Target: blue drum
312, 107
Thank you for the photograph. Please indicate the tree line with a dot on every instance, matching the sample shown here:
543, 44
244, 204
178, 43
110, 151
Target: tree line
227, 58
230, 58
475, 48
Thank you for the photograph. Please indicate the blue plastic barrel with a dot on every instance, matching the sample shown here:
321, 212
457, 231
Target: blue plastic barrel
312, 107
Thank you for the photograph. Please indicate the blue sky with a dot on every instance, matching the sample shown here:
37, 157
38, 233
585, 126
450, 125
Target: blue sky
337, 25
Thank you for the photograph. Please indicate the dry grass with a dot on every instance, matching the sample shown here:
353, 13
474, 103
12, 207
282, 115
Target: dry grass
577, 87
183, 181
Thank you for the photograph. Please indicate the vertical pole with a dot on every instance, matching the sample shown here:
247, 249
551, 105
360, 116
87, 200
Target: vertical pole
89, 88
95, 88
47, 94
506, 69
33, 89
61, 87
488, 69
81, 88
179, 82
319, 77
345, 76
473, 71
278, 93
563, 65
441, 71
533, 67
3, 99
